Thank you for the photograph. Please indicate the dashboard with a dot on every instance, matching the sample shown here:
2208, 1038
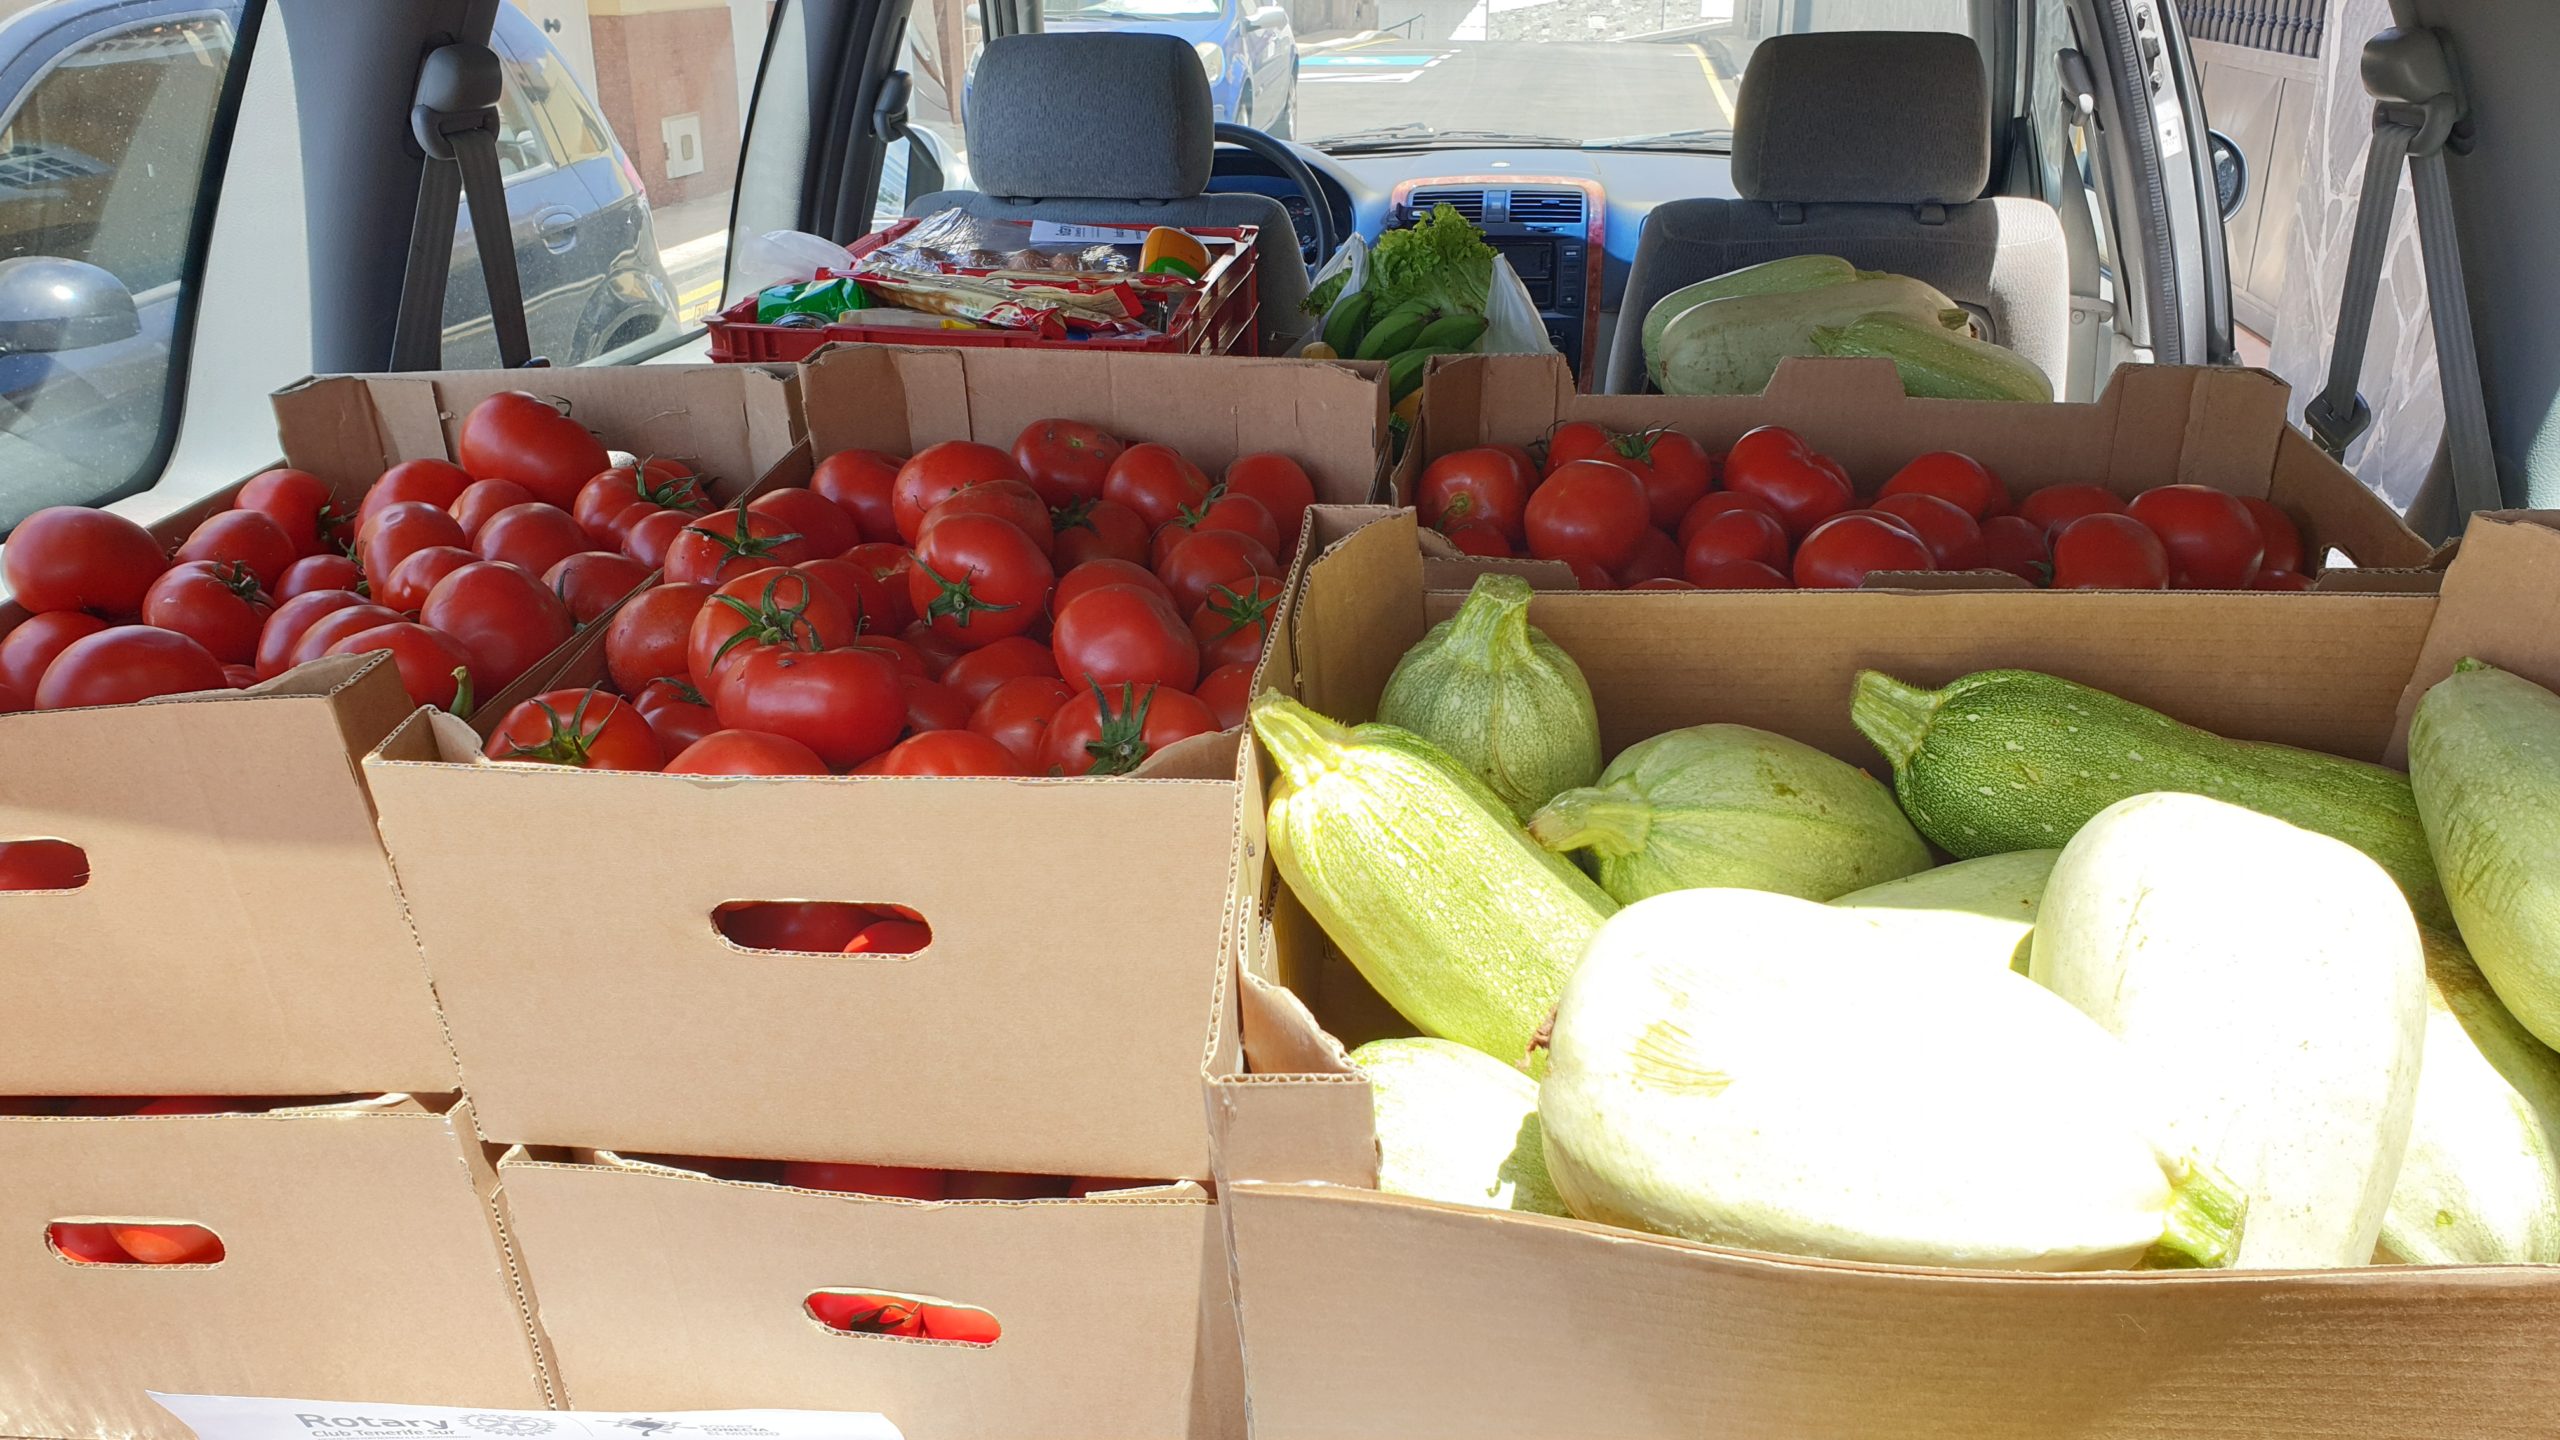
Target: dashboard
1521, 196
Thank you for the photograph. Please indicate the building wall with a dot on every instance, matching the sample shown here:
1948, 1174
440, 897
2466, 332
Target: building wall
657, 59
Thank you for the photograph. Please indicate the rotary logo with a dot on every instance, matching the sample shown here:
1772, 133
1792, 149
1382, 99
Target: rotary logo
509, 1424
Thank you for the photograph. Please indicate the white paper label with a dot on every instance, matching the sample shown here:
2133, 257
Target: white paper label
1052, 232
234, 1417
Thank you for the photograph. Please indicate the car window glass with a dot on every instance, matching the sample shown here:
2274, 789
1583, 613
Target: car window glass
574, 124
102, 151
520, 143
942, 41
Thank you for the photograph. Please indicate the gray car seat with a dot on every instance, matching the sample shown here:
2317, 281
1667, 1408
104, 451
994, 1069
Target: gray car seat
1873, 146
1113, 127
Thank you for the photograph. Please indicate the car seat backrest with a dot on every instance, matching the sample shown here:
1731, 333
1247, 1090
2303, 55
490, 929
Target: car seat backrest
1874, 117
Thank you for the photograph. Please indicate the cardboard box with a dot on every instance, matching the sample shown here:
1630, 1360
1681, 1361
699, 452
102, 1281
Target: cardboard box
362, 1259
2153, 425
1512, 1325
664, 1289
1076, 987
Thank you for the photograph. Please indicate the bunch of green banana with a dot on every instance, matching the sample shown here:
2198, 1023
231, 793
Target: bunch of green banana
1405, 336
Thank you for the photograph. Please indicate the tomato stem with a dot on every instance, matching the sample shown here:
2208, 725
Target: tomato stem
956, 598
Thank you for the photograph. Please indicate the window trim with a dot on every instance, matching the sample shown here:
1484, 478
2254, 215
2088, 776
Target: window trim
191, 273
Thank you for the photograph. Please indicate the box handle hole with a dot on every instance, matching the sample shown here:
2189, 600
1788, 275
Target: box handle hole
42, 865
822, 927
904, 1317
133, 1242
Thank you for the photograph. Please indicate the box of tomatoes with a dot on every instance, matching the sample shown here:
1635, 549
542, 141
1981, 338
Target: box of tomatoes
2175, 478
907, 831
193, 898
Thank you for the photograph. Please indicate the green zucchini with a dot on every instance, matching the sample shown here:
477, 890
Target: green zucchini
2484, 755
2007, 760
1496, 695
1771, 277
1936, 362
1420, 877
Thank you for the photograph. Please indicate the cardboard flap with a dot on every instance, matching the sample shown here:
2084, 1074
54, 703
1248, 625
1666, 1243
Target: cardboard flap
2500, 603
1345, 653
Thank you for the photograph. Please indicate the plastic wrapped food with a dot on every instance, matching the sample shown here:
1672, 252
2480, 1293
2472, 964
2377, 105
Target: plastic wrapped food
957, 240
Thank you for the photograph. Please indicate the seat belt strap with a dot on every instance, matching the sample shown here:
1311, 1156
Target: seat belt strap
455, 122
2417, 113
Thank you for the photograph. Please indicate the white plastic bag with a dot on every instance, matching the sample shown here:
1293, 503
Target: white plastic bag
778, 257
1352, 255
1512, 325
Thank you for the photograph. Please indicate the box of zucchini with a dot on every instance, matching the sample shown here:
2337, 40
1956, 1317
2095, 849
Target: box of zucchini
1832, 478
1966, 1013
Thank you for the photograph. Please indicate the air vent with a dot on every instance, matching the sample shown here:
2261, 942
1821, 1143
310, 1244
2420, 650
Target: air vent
1547, 207
1469, 203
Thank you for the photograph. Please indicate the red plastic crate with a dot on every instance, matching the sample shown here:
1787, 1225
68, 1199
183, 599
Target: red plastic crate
1219, 317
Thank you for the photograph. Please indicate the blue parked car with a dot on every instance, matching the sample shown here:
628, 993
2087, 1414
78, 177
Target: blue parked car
1247, 46
104, 105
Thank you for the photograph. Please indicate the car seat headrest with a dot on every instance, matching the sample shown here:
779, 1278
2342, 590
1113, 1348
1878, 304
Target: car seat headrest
1885, 117
1103, 116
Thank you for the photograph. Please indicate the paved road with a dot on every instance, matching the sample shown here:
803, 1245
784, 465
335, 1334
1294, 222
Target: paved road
1578, 90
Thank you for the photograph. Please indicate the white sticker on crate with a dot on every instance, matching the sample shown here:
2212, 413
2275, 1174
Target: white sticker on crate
236, 1417
1056, 232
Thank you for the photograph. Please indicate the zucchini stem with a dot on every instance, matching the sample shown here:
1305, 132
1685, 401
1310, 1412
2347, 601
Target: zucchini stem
2205, 1218
1492, 628
1592, 818
1302, 742
1895, 716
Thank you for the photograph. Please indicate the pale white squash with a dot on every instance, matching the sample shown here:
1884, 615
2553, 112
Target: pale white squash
1751, 1069
1456, 1124
2270, 983
1973, 911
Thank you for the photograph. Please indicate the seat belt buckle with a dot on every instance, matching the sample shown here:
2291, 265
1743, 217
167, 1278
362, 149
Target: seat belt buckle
2334, 432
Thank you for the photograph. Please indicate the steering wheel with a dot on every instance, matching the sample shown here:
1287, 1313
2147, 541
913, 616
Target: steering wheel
1293, 170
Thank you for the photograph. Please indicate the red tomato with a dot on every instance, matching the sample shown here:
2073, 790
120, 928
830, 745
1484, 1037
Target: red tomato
649, 538
1155, 481
431, 482
325, 630
858, 482
1676, 473
1008, 500
88, 1244
1774, 464
820, 926
2283, 541
238, 677
219, 606
1478, 537
647, 638
977, 674
890, 565
1211, 558
125, 663
409, 586
931, 705
399, 531
318, 572
746, 752
28, 649
901, 653
2016, 544
1662, 582
1240, 513
2213, 542
936, 652
864, 1179
1065, 460
69, 557
1953, 537
1482, 486
656, 484
820, 521
864, 597
1283, 487
938, 472
1016, 715
1588, 576
1091, 530
1233, 625
1656, 557
169, 1244
277, 636
432, 667
520, 437
1110, 732
2109, 552
298, 501
765, 607
906, 937
2058, 505
1734, 535
1119, 634
584, 729
978, 579
1094, 574
1842, 551
1742, 575
1228, 692
505, 620
532, 538
486, 498
2279, 580
676, 712
1588, 510
1578, 440
42, 865
844, 704
950, 750
14, 700
592, 582
1711, 505
730, 543
1960, 480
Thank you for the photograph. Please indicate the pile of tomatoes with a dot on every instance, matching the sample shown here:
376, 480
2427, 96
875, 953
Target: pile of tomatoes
1656, 511
1066, 607
468, 574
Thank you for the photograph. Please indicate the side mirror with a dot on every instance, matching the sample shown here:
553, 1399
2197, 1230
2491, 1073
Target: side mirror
49, 304
2230, 173
1269, 17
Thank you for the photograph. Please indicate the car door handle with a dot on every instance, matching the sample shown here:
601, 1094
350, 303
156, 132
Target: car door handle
558, 229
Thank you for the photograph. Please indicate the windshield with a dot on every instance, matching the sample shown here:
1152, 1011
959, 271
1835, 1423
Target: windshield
1653, 74
1127, 9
